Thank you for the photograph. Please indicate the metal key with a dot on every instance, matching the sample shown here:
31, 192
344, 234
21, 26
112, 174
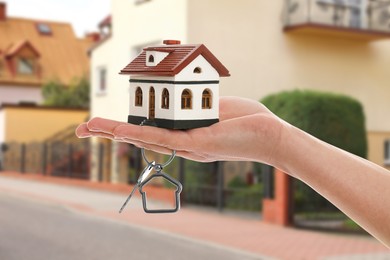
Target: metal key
144, 174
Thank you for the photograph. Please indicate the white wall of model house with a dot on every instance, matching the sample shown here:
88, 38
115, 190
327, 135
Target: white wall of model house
175, 112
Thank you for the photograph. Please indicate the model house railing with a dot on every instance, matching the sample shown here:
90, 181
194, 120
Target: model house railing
358, 15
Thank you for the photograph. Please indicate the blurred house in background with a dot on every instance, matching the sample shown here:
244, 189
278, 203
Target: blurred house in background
33, 52
268, 46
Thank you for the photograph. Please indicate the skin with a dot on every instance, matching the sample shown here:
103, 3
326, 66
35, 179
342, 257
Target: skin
248, 131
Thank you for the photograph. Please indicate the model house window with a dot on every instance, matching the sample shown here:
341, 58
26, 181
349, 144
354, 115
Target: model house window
102, 80
197, 70
138, 97
387, 152
186, 99
165, 99
206, 99
25, 66
151, 58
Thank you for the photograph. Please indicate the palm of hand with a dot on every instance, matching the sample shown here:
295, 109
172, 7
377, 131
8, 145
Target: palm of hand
247, 131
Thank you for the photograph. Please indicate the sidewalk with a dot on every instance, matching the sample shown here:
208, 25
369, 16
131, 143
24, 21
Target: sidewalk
243, 234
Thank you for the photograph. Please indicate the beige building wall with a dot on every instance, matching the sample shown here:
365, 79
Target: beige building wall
134, 26
248, 38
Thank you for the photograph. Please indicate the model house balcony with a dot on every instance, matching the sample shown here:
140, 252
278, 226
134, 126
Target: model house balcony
358, 19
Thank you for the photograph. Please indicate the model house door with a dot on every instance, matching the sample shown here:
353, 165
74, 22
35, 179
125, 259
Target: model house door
151, 103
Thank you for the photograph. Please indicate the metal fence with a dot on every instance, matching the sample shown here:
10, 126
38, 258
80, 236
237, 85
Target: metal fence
204, 184
67, 159
207, 185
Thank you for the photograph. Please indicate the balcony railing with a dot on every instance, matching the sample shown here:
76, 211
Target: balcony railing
369, 18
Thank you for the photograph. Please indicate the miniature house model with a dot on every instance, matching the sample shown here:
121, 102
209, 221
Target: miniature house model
175, 86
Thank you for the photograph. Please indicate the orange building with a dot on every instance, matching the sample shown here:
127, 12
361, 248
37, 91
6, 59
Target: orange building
33, 52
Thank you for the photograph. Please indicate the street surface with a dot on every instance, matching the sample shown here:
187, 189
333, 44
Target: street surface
34, 230
50, 218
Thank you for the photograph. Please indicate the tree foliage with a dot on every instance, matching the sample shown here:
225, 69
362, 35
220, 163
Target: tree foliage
335, 119
76, 94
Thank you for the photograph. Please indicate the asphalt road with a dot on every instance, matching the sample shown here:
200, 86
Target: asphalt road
33, 230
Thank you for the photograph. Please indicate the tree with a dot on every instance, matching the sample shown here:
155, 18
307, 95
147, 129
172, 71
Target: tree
75, 95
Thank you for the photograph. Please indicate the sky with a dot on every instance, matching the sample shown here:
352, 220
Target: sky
84, 15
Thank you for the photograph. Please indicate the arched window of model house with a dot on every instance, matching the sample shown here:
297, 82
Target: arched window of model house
186, 99
206, 99
138, 97
197, 70
151, 58
165, 99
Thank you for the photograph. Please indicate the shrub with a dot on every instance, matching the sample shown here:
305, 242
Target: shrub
245, 198
237, 182
336, 119
74, 95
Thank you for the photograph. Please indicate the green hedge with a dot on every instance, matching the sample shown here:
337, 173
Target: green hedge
335, 119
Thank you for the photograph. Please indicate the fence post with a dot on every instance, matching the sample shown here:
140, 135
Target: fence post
23, 158
220, 185
2, 151
70, 160
44, 158
182, 177
86, 167
100, 162
268, 181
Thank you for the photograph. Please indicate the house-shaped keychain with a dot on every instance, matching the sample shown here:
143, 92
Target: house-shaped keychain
175, 86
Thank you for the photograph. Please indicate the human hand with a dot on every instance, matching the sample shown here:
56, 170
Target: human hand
247, 131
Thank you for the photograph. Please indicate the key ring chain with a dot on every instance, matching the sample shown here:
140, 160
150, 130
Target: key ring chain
144, 180
173, 155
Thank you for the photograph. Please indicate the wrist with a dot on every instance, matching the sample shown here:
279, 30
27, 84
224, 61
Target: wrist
287, 148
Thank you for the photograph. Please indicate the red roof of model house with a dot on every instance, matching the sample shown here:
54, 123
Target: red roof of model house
180, 55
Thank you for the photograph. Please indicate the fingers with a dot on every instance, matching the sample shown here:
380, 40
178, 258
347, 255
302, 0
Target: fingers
82, 131
166, 140
151, 138
108, 126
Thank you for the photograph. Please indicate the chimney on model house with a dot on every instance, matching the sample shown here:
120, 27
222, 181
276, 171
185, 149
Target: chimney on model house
3, 11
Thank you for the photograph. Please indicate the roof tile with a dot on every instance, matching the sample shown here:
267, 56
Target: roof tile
61, 55
178, 58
